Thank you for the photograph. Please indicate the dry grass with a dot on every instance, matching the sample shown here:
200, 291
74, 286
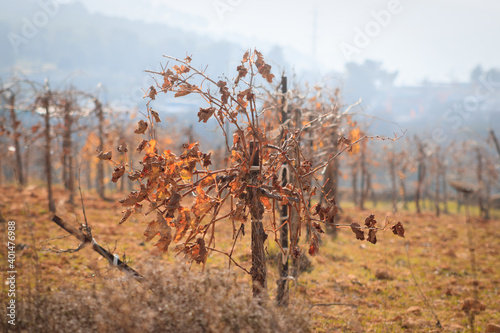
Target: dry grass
374, 279
173, 300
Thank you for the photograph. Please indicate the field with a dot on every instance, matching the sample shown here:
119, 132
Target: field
351, 285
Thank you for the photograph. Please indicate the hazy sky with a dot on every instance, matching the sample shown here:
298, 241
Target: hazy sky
439, 40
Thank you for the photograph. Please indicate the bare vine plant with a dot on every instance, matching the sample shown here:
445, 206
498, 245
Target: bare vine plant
189, 198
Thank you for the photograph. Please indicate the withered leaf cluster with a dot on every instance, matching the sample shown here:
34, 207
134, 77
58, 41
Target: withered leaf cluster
327, 211
370, 224
187, 195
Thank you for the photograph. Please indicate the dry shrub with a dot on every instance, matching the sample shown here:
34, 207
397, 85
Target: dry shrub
175, 300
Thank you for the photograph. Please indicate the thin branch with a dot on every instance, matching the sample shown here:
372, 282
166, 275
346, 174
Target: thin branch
227, 255
407, 246
87, 239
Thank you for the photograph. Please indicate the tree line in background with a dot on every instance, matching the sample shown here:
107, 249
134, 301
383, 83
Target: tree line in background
52, 136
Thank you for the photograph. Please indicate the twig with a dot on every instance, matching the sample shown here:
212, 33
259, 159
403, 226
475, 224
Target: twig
87, 239
227, 255
407, 246
234, 243
325, 164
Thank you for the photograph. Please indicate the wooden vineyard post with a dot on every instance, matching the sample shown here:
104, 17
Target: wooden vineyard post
282, 293
259, 270
100, 165
48, 142
495, 141
421, 174
18, 159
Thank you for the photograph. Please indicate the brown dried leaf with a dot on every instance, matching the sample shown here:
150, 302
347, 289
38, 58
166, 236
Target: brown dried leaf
134, 197
129, 200
159, 227
164, 242
344, 140
122, 148
126, 214
318, 228
105, 156
156, 116
224, 91
314, 243
263, 68
152, 230
190, 150
206, 160
142, 145
182, 224
202, 204
180, 230
136, 174
372, 236
181, 93
142, 127
199, 251
166, 82
117, 173
326, 213
221, 84
182, 69
370, 221
356, 228
245, 56
172, 204
238, 214
152, 92
242, 72
398, 229
205, 114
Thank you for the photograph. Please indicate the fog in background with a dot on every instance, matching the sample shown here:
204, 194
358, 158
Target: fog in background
416, 65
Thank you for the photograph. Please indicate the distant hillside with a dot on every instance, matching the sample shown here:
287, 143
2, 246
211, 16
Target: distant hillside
94, 48
77, 47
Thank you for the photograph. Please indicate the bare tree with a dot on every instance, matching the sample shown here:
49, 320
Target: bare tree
100, 130
9, 93
421, 169
436, 167
483, 201
44, 101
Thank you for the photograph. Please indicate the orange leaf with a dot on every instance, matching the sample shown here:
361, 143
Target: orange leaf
180, 93
152, 147
265, 202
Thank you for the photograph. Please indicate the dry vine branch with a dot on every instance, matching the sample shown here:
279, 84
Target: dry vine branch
84, 235
188, 197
